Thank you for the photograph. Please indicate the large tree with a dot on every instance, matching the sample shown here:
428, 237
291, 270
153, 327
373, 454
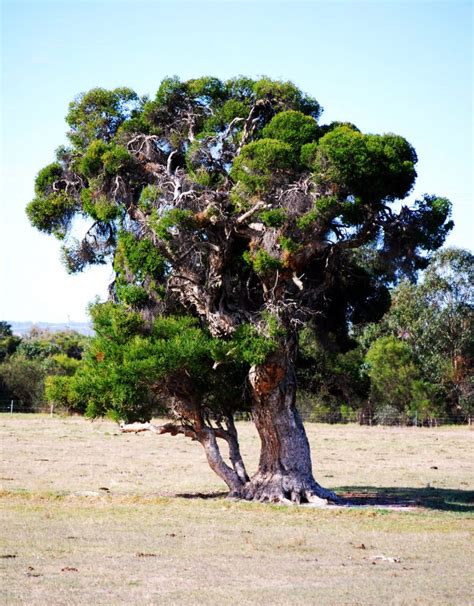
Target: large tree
229, 202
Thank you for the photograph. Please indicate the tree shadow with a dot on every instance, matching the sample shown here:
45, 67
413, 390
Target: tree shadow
202, 495
442, 499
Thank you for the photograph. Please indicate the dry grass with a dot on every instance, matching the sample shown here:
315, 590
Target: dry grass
93, 516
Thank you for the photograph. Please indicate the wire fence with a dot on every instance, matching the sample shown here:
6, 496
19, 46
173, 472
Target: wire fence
361, 418
18, 406
395, 420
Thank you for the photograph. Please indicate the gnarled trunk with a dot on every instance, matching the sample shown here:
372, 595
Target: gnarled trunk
284, 470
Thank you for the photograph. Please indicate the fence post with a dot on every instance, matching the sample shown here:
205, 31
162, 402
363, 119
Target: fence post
51, 409
415, 419
11, 407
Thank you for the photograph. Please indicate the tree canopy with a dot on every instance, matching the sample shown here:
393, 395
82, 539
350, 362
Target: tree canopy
228, 202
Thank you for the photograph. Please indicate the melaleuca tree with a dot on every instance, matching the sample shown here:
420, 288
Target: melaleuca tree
229, 202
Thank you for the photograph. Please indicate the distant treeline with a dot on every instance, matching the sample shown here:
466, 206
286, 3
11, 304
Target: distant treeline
22, 329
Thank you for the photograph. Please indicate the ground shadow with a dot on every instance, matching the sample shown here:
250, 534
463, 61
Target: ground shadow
443, 499
202, 495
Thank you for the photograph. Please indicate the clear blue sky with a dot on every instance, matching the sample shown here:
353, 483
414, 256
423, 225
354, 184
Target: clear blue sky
403, 67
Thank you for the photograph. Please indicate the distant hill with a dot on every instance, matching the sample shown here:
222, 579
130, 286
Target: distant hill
22, 328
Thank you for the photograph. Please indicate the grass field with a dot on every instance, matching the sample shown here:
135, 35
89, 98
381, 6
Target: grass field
92, 516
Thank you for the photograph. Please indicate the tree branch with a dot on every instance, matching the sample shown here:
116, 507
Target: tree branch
250, 212
158, 429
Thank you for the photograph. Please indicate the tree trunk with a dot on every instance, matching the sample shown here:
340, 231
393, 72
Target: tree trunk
207, 438
284, 470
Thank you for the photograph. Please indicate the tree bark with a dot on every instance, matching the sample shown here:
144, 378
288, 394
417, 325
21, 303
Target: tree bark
285, 470
207, 438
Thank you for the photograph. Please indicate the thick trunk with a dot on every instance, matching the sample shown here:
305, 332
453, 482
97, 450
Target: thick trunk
284, 470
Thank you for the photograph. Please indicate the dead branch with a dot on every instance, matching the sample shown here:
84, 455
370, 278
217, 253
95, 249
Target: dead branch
251, 212
158, 429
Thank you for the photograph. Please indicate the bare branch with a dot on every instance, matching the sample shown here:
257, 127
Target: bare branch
251, 212
158, 429
168, 163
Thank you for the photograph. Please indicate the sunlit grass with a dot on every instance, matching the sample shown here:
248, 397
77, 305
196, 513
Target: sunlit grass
92, 516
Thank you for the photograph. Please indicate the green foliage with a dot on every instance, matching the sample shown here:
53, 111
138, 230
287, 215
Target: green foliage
287, 95
128, 370
233, 108
99, 207
262, 262
171, 92
374, 167
206, 89
308, 154
432, 226
334, 383
38, 348
254, 346
107, 157
26, 367
292, 127
165, 176
308, 219
149, 198
395, 379
202, 177
52, 214
138, 256
131, 294
240, 88
8, 341
289, 245
98, 114
115, 322
115, 159
436, 319
324, 207
5, 329
326, 204
200, 164
46, 177
63, 365
260, 162
59, 391
24, 378
275, 217
163, 225
172, 99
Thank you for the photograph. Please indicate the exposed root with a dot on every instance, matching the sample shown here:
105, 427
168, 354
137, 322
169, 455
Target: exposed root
283, 488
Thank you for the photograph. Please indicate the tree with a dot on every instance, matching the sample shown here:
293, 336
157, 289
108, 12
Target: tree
396, 387
27, 364
8, 342
333, 385
434, 319
24, 379
8, 345
227, 201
